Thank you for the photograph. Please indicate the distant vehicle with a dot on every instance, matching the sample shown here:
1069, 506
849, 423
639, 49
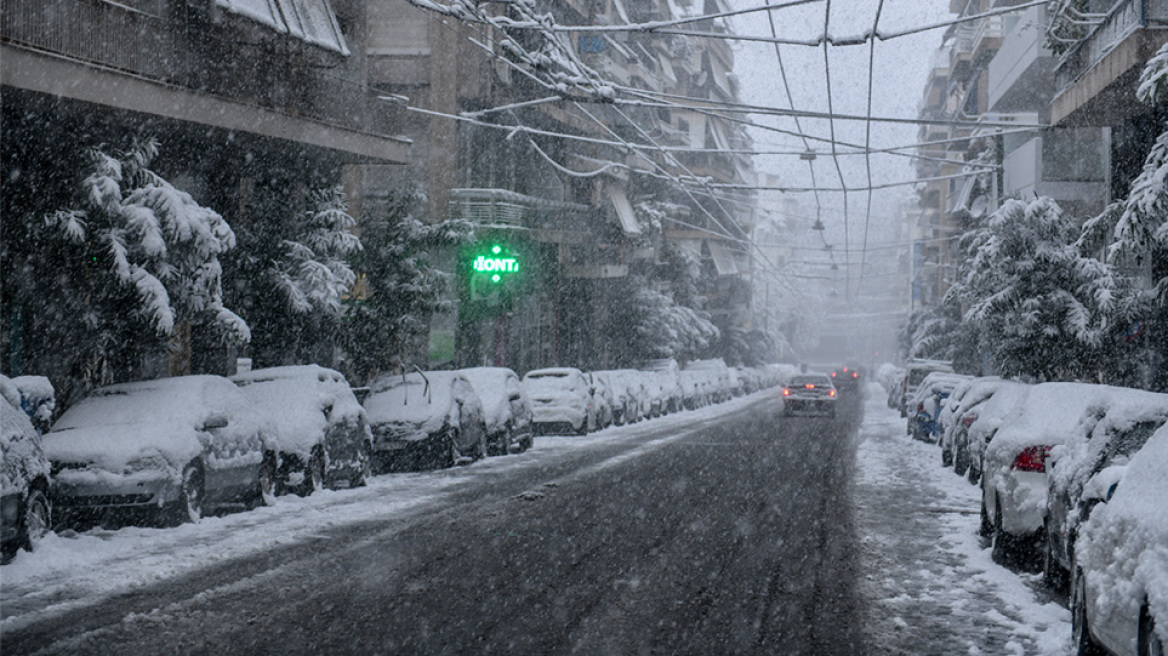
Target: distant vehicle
26, 512
425, 419
1121, 557
627, 392
322, 436
505, 409
171, 448
1097, 452
846, 379
561, 400
914, 373
810, 394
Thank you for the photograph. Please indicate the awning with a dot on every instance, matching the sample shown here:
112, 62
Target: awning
311, 21
624, 210
723, 258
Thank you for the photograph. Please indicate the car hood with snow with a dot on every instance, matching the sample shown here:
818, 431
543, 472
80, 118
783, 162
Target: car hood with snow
157, 424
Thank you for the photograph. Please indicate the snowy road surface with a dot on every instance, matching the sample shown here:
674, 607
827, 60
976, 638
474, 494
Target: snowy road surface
725, 530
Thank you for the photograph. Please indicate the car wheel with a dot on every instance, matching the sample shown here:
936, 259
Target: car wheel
1149, 644
37, 519
313, 473
267, 482
974, 474
364, 465
1052, 572
1085, 645
189, 507
960, 460
986, 529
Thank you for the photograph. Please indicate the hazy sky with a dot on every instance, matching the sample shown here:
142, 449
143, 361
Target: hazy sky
900, 67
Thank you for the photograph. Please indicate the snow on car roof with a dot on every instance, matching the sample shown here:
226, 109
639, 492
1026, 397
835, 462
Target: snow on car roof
490, 383
1124, 544
1118, 412
1049, 415
397, 398
295, 399
552, 372
21, 457
118, 423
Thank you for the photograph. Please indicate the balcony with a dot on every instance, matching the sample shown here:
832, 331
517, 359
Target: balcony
227, 72
1020, 74
1105, 63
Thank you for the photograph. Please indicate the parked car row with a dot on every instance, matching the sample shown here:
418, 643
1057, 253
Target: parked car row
166, 451
1074, 481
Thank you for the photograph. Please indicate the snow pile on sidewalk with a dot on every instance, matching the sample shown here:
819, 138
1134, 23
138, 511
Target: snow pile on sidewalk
932, 586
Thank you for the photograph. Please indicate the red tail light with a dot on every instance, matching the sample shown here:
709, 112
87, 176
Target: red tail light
968, 420
831, 393
1032, 459
921, 407
855, 374
786, 391
833, 374
810, 386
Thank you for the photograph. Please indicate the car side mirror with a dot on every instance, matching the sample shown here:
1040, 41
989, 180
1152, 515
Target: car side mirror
218, 421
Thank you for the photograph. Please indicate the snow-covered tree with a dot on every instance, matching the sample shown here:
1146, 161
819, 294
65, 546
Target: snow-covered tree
128, 263
651, 324
291, 272
1039, 307
401, 286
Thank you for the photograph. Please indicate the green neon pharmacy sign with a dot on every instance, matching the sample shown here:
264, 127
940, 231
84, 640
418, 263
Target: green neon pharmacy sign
495, 264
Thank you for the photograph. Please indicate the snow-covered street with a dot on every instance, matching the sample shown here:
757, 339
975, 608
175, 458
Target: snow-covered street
932, 586
927, 583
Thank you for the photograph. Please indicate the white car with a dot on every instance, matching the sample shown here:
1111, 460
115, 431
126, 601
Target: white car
561, 400
958, 415
25, 508
321, 433
1119, 596
1014, 478
505, 409
627, 392
170, 448
990, 415
1113, 430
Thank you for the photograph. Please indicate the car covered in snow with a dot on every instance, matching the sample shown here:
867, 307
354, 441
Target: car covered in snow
1119, 589
171, 448
915, 373
561, 400
1015, 481
1111, 431
627, 392
989, 417
425, 419
505, 409
810, 394
924, 408
958, 414
25, 507
322, 437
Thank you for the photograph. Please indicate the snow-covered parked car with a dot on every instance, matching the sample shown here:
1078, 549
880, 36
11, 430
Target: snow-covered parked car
604, 400
321, 434
1110, 433
627, 391
1119, 595
1014, 478
664, 373
561, 400
958, 414
430, 418
505, 409
989, 417
924, 408
171, 448
25, 509
915, 373
716, 379
38, 399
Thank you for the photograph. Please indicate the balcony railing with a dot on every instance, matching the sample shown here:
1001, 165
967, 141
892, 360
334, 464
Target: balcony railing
178, 49
1124, 19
